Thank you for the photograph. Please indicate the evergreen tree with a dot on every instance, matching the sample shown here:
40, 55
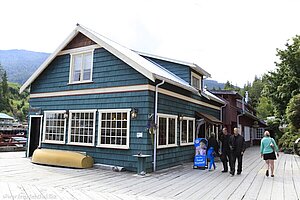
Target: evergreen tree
284, 82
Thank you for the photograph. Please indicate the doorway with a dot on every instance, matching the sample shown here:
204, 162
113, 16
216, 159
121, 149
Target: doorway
35, 130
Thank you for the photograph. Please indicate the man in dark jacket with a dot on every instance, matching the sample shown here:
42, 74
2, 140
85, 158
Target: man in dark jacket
237, 149
225, 150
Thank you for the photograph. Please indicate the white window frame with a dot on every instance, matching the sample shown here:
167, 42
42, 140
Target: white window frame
167, 116
258, 133
247, 134
44, 128
81, 74
94, 127
187, 137
100, 127
198, 77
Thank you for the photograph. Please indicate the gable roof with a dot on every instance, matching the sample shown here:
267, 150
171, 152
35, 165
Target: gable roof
194, 66
149, 69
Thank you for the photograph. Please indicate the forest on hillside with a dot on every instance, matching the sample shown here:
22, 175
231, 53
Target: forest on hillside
11, 102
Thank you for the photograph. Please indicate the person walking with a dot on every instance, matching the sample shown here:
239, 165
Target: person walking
213, 149
237, 149
225, 150
268, 147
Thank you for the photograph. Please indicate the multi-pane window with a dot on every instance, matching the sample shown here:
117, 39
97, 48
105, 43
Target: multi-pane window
260, 133
82, 127
196, 81
54, 126
167, 130
187, 129
114, 128
81, 67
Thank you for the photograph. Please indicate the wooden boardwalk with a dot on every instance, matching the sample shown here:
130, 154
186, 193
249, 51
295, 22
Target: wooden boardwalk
20, 179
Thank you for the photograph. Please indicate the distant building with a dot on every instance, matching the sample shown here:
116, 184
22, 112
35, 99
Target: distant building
237, 113
97, 96
6, 122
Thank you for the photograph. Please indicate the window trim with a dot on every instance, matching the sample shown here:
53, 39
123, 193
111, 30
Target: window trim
193, 74
167, 116
44, 128
72, 68
69, 127
257, 133
111, 146
187, 143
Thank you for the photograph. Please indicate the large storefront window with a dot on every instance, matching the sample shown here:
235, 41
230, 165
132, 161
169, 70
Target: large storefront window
167, 130
114, 128
187, 129
54, 127
82, 127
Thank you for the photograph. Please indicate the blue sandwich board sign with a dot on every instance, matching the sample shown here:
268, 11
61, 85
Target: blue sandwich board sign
200, 153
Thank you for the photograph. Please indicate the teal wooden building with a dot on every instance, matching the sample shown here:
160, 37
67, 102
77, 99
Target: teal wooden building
93, 95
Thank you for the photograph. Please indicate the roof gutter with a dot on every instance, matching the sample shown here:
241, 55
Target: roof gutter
155, 121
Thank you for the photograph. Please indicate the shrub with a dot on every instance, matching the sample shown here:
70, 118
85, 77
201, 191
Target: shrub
287, 141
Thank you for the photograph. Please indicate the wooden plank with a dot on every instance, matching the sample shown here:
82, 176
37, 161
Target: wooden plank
296, 174
277, 189
48, 193
5, 192
32, 192
289, 189
232, 182
17, 191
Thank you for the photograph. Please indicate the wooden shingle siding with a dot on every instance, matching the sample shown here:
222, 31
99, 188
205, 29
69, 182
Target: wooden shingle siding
118, 157
108, 71
167, 157
79, 40
181, 71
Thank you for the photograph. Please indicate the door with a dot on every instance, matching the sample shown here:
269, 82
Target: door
35, 129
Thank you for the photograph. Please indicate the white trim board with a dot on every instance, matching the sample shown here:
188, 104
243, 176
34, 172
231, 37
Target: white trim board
133, 88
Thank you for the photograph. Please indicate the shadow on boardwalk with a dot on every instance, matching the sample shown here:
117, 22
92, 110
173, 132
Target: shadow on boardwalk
20, 179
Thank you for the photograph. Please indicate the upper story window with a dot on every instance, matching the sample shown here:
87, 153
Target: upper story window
81, 67
196, 81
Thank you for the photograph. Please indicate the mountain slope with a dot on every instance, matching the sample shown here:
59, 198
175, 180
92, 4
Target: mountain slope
20, 64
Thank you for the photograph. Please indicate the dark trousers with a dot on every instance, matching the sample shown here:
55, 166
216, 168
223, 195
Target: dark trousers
225, 157
236, 156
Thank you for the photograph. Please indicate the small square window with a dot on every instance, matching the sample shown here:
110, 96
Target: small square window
196, 81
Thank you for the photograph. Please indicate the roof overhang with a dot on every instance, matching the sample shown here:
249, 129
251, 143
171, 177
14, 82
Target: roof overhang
191, 65
209, 118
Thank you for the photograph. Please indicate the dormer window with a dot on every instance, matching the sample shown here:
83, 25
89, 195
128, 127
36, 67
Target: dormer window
81, 67
196, 81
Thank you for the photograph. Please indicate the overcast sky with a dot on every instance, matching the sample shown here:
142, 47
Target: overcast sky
232, 40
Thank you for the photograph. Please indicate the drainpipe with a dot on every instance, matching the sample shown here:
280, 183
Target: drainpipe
155, 121
221, 113
243, 112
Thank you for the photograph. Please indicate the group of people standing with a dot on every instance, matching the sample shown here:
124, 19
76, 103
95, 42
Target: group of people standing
233, 148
